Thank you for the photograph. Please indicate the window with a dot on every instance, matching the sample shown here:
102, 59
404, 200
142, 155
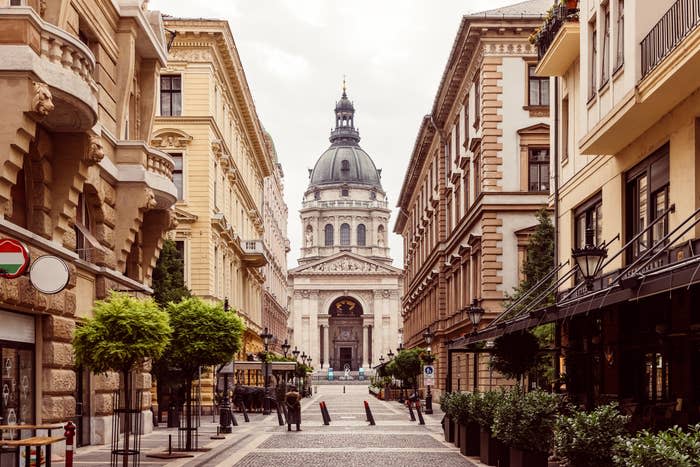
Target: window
477, 100
170, 96
344, 165
180, 247
538, 165
477, 175
328, 235
589, 216
449, 214
466, 190
177, 174
344, 192
373, 195
216, 186
656, 376
647, 199
592, 58
457, 146
466, 119
361, 235
605, 65
345, 234
317, 195
620, 60
15, 2
565, 129
538, 88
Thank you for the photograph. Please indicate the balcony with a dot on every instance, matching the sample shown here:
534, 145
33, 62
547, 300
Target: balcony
139, 163
34, 48
670, 59
253, 253
558, 42
345, 204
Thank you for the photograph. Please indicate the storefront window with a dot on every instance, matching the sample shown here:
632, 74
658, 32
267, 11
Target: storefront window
656, 373
17, 388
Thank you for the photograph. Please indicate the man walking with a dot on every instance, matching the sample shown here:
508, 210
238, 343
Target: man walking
293, 401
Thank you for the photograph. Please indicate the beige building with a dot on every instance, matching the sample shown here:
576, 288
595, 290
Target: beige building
78, 180
478, 173
345, 304
275, 214
206, 121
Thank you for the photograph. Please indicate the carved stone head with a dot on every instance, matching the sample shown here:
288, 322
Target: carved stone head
42, 103
95, 152
151, 201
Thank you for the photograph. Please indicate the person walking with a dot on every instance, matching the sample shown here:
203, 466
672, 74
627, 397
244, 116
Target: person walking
293, 401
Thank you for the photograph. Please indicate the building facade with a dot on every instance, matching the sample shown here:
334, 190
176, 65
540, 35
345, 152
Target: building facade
79, 181
345, 293
478, 174
627, 146
276, 293
206, 121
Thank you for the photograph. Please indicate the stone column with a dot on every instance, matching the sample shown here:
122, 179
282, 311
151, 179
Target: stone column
326, 345
314, 336
365, 339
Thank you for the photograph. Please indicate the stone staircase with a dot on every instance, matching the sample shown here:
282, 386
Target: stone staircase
321, 377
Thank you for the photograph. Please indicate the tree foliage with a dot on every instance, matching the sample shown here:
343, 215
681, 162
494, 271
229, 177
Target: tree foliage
123, 332
203, 334
169, 276
407, 365
515, 354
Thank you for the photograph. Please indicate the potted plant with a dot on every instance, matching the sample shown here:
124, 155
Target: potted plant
448, 424
587, 439
484, 410
525, 422
672, 447
468, 427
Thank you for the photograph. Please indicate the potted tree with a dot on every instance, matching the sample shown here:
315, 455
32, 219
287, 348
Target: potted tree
672, 447
204, 334
123, 333
588, 439
484, 410
525, 423
468, 427
448, 424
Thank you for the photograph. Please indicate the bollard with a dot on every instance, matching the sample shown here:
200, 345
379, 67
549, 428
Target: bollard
233, 417
170, 445
245, 413
280, 420
420, 415
370, 417
410, 412
323, 413
343, 389
70, 437
325, 407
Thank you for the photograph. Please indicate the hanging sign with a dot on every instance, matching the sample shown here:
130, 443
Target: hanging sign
49, 274
14, 258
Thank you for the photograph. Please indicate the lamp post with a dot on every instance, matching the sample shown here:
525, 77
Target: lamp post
402, 398
295, 352
225, 422
285, 350
428, 336
381, 359
475, 313
589, 259
303, 358
266, 337
390, 355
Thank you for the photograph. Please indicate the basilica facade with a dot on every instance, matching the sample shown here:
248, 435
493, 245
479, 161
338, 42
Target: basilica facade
346, 294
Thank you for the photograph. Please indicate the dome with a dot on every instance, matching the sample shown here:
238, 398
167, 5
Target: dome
345, 164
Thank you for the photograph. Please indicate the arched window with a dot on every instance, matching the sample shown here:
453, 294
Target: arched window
361, 235
344, 165
345, 234
329, 235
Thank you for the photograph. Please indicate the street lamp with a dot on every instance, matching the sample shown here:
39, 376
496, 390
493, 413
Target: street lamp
475, 313
403, 394
285, 348
428, 336
589, 259
295, 352
303, 358
266, 338
390, 355
381, 359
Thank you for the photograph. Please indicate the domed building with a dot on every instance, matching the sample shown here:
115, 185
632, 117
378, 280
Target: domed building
346, 295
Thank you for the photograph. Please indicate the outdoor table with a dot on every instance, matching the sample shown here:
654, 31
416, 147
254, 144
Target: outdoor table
37, 441
50, 427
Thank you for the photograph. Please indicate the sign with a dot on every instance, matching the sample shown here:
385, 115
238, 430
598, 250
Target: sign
14, 258
49, 274
429, 375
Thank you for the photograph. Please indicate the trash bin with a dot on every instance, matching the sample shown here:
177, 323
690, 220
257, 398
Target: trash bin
330, 374
173, 416
361, 374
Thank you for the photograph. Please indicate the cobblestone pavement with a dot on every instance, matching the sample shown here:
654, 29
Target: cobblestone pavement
348, 441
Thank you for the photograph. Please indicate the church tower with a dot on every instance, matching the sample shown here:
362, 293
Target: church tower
346, 295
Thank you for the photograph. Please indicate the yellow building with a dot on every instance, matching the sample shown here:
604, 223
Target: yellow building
77, 181
206, 121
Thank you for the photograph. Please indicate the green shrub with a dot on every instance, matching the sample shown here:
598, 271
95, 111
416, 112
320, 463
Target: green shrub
670, 448
445, 401
526, 421
485, 408
587, 439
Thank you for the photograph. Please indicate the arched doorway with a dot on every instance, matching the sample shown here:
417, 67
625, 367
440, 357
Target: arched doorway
345, 326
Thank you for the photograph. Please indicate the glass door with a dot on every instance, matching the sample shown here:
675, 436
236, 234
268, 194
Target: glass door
16, 384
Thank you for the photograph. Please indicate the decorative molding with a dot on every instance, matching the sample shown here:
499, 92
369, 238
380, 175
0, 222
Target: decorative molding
510, 48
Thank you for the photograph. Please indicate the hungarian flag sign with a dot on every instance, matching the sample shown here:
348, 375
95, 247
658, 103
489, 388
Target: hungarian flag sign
14, 258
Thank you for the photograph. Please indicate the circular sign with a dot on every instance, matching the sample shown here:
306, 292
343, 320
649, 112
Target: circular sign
14, 258
49, 274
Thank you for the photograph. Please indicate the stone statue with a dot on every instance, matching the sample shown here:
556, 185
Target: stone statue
309, 238
95, 152
380, 237
151, 201
42, 103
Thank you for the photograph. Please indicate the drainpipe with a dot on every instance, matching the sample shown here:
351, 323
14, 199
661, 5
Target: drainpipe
557, 325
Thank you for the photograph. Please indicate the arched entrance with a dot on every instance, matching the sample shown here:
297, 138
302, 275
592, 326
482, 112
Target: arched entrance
345, 329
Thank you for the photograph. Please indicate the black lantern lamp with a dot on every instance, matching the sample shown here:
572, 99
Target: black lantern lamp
285, 348
266, 338
428, 336
589, 259
398, 350
381, 359
475, 313
303, 358
390, 355
295, 352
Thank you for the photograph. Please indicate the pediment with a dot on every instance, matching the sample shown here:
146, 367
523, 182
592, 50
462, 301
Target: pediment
344, 264
183, 216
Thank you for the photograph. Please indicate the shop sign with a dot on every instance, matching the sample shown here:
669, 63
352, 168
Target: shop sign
14, 258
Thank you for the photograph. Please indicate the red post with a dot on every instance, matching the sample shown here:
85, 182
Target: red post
70, 437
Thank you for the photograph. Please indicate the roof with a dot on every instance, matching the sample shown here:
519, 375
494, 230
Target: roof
345, 164
517, 10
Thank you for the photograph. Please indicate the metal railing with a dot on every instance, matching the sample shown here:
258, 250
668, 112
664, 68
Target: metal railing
560, 15
679, 21
345, 204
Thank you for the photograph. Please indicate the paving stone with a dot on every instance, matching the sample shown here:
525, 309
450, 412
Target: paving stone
355, 459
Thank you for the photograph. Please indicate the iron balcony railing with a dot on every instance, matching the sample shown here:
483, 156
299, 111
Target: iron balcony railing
345, 204
551, 26
679, 21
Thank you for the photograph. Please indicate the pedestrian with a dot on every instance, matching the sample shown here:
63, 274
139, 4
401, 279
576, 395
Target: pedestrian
293, 401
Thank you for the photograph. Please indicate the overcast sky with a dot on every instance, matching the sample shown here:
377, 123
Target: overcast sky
295, 53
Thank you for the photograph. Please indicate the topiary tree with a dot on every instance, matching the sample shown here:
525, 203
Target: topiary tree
407, 365
169, 276
124, 332
515, 354
204, 334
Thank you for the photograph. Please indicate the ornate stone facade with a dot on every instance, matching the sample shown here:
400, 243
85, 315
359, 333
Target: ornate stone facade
345, 293
77, 180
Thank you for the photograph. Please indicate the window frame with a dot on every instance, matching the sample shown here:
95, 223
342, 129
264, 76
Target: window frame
605, 52
328, 235
620, 36
181, 189
540, 81
345, 235
170, 92
593, 58
531, 150
361, 235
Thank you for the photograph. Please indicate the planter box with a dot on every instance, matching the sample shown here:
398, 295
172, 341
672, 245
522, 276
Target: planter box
458, 429
449, 429
469, 442
520, 458
488, 448
502, 454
